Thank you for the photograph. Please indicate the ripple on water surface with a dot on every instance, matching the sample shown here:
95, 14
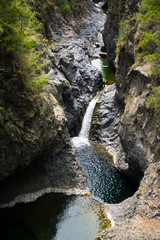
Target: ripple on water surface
104, 181
54, 217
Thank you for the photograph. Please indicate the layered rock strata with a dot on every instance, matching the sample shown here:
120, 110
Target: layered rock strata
43, 161
116, 11
73, 48
139, 216
105, 125
36, 156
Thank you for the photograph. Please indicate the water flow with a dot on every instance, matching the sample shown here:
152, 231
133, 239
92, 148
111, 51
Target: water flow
104, 181
103, 66
86, 124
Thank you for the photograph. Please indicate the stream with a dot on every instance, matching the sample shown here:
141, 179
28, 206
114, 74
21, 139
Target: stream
61, 217
104, 181
107, 72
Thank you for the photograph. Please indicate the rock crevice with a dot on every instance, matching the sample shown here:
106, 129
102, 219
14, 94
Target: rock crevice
137, 217
41, 158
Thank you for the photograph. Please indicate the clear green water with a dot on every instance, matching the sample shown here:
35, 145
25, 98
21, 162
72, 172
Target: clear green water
104, 181
59, 217
108, 73
55, 217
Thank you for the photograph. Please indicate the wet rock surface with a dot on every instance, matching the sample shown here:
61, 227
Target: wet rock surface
41, 156
106, 123
139, 216
71, 54
117, 10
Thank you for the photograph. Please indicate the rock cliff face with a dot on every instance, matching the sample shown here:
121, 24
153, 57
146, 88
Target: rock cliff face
35, 147
35, 154
116, 11
72, 49
139, 216
139, 140
105, 125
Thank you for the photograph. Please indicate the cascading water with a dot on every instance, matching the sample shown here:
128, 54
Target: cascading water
86, 124
70, 217
82, 138
58, 217
104, 181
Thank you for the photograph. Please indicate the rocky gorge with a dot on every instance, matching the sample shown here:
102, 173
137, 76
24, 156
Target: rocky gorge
37, 156
39, 147
138, 216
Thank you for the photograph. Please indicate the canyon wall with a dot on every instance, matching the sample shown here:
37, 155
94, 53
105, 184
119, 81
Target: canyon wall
35, 150
139, 216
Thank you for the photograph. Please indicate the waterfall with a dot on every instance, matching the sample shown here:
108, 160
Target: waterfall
86, 124
83, 136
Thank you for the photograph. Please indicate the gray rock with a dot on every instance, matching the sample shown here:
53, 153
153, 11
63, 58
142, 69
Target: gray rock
106, 123
116, 12
137, 217
70, 56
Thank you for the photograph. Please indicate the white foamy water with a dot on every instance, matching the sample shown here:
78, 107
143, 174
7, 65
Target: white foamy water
97, 63
79, 141
82, 138
86, 124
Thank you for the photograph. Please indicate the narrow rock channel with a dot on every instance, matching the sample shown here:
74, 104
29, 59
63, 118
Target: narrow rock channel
75, 153
72, 217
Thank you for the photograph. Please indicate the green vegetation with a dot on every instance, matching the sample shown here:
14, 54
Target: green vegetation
153, 101
9, 124
149, 28
37, 83
21, 65
149, 44
145, 25
147, 36
21, 39
65, 6
71, 8
123, 33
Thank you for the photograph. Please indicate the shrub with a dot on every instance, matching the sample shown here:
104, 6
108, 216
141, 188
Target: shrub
149, 25
20, 37
123, 32
153, 101
65, 6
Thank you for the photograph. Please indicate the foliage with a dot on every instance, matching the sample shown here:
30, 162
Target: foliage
123, 32
149, 44
9, 124
38, 83
20, 37
149, 27
69, 7
145, 25
65, 6
153, 101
